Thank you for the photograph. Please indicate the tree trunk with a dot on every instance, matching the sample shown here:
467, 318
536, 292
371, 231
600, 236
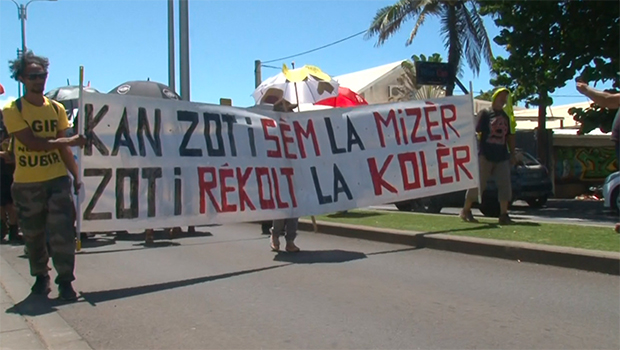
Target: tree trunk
453, 55
541, 132
450, 88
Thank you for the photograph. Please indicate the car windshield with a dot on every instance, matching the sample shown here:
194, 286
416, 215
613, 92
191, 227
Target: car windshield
526, 159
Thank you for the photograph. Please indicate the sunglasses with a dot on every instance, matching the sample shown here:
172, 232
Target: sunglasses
35, 76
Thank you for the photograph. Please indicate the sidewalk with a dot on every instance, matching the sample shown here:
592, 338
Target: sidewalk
582, 259
21, 331
15, 333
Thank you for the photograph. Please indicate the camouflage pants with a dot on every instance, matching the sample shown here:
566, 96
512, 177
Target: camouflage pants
47, 206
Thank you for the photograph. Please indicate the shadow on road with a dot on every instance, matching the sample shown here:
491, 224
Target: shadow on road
319, 256
107, 295
481, 226
35, 305
395, 251
157, 244
141, 246
97, 242
158, 235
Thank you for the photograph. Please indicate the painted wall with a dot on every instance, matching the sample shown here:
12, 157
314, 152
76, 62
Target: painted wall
584, 163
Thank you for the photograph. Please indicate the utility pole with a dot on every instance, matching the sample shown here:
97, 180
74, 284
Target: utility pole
184, 47
19, 84
171, 63
22, 15
257, 73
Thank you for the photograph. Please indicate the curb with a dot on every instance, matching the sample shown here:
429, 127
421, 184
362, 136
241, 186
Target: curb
51, 328
575, 258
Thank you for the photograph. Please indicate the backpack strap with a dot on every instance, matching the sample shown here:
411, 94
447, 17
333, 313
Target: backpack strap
18, 104
53, 103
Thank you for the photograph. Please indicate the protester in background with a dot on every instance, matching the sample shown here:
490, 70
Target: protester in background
286, 227
42, 189
496, 154
266, 227
605, 100
8, 216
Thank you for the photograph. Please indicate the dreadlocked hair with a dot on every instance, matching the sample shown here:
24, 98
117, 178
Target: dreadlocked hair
17, 66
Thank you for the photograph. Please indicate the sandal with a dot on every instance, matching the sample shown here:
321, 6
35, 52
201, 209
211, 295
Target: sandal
275, 242
291, 247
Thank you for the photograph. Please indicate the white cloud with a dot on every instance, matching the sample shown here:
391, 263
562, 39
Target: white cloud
6, 100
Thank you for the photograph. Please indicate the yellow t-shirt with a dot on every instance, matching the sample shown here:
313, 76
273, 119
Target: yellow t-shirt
32, 166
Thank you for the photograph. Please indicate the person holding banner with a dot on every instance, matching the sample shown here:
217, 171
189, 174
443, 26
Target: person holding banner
496, 155
284, 227
42, 189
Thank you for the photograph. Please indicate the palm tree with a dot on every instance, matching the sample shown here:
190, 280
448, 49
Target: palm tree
462, 29
409, 88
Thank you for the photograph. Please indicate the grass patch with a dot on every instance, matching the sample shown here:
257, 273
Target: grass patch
587, 237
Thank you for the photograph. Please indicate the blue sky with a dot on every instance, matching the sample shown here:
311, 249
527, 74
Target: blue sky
118, 41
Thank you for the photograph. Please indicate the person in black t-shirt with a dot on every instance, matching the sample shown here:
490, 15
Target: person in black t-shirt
495, 157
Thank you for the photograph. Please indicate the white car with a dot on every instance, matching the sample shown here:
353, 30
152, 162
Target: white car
611, 188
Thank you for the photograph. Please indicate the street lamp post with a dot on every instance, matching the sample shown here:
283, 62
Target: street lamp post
184, 48
22, 15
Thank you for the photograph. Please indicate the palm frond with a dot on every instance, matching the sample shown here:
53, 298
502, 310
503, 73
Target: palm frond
389, 19
481, 33
429, 8
474, 39
450, 30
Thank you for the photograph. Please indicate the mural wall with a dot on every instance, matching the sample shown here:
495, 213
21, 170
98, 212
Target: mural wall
573, 164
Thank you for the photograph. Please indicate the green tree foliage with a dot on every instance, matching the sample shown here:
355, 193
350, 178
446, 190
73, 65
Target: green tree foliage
462, 29
594, 117
531, 36
549, 42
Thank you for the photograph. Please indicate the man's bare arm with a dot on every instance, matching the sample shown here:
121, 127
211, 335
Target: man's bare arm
601, 98
67, 156
34, 143
6, 156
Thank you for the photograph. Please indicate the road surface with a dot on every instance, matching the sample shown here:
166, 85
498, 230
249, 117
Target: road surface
567, 211
227, 290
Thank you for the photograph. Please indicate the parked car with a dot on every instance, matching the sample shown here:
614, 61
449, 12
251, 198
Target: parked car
531, 182
611, 189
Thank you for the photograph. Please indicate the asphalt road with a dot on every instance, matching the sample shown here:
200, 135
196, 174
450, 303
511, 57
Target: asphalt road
568, 211
227, 290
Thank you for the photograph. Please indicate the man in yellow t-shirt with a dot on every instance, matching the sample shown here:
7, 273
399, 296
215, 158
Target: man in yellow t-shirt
41, 186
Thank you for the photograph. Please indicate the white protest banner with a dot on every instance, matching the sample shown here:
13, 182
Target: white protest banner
153, 163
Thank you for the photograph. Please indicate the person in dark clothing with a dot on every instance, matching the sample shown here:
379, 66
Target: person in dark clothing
496, 155
266, 227
8, 215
